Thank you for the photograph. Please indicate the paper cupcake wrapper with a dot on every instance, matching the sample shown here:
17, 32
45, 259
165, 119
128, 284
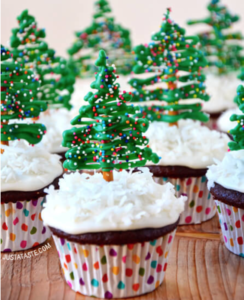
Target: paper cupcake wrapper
113, 271
22, 226
200, 205
231, 220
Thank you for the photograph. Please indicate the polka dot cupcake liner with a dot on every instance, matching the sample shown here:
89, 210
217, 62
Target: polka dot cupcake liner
114, 271
22, 226
231, 220
200, 205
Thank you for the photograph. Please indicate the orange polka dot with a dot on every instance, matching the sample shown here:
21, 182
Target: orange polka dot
75, 264
166, 254
157, 284
231, 243
40, 217
12, 236
85, 252
235, 209
195, 189
115, 270
136, 259
66, 267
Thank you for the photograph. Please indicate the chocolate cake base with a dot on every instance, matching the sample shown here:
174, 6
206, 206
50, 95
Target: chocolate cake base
15, 196
227, 196
176, 171
116, 237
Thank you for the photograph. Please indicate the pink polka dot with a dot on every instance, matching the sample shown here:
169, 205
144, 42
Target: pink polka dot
225, 238
207, 210
23, 244
170, 239
228, 211
69, 283
188, 219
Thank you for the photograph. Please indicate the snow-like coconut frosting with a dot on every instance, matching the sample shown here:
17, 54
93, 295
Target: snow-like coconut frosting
224, 124
27, 168
87, 203
222, 90
190, 144
56, 121
228, 172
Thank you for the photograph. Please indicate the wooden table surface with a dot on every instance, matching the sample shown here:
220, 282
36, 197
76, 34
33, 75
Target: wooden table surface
199, 267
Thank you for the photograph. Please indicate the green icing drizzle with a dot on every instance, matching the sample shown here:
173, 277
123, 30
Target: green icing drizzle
241, 75
31, 51
238, 131
111, 137
223, 53
173, 58
18, 101
104, 34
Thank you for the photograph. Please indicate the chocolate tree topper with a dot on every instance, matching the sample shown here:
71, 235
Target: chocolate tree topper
30, 49
238, 131
104, 34
111, 137
173, 59
222, 49
18, 101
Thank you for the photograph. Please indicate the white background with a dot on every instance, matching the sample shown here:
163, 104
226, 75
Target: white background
61, 18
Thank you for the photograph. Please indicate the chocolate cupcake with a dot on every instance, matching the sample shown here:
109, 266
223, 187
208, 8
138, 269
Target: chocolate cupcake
25, 173
185, 152
113, 238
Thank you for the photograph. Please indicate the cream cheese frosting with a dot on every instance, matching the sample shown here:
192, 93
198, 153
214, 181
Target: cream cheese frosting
27, 168
222, 90
224, 124
87, 203
190, 144
228, 172
56, 121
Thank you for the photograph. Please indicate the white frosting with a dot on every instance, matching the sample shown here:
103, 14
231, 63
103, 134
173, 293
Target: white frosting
27, 168
229, 172
56, 121
87, 203
224, 124
190, 144
222, 90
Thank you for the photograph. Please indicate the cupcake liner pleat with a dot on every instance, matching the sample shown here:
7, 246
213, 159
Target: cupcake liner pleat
114, 271
200, 205
22, 226
231, 220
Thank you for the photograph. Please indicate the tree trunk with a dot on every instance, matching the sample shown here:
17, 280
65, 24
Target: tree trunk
108, 176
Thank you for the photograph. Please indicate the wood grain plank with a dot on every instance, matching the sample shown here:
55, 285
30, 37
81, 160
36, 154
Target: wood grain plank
198, 268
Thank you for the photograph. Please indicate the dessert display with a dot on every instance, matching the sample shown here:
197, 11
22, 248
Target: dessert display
53, 74
114, 234
225, 181
103, 33
25, 170
186, 148
224, 52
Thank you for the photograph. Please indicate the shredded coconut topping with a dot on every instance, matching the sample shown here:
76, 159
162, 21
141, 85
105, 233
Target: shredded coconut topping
27, 168
224, 123
190, 144
229, 172
87, 203
222, 90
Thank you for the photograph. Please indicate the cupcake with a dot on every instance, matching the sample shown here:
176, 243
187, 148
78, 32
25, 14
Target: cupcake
114, 234
223, 51
186, 148
25, 170
225, 182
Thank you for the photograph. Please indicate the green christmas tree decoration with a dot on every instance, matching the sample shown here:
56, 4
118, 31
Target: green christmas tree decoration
18, 101
173, 59
241, 75
31, 51
110, 137
238, 131
222, 49
104, 34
